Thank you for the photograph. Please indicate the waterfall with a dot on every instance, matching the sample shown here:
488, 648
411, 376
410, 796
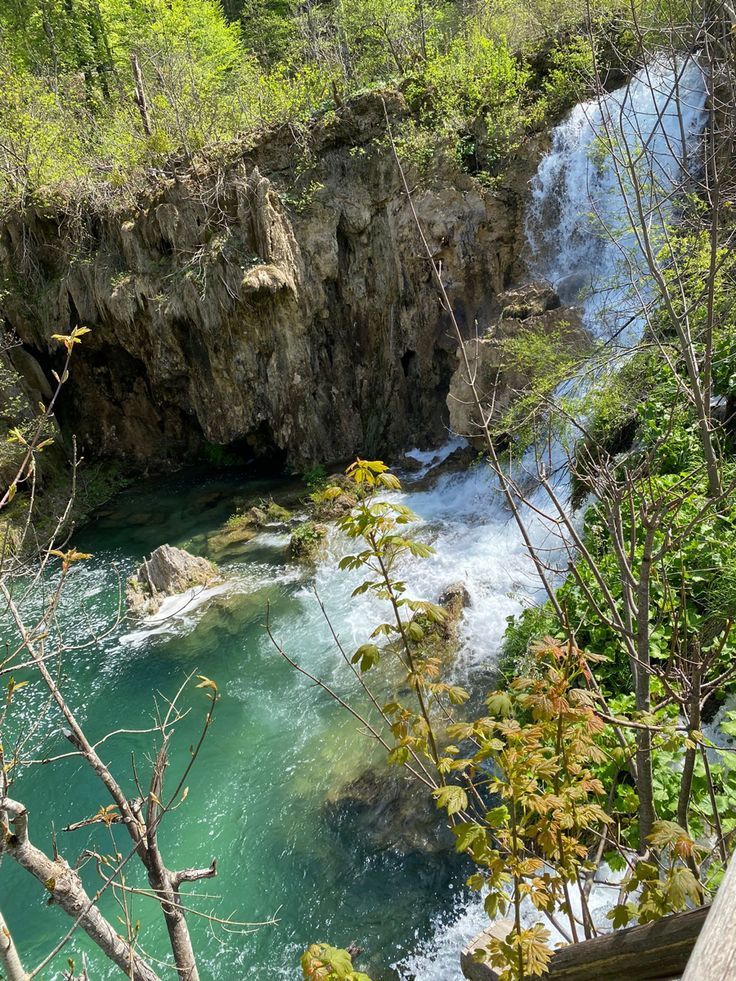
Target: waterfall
578, 227
580, 239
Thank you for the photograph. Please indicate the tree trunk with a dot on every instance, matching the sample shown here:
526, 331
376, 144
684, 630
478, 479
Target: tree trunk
640, 671
162, 882
140, 94
688, 768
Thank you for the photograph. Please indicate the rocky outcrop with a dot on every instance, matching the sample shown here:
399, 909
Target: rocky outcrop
277, 303
454, 600
532, 312
167, 572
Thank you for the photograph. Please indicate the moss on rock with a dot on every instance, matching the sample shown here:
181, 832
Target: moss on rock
308, 541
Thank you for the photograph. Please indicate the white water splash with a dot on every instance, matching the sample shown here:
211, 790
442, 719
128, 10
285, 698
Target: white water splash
579, 227
179, 614
581, 241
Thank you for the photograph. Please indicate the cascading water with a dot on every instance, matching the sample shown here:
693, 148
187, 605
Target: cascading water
579, 227
278, 747
580, 238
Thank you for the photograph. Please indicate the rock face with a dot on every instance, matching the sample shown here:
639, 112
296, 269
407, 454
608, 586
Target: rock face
455, 600
533, 310
277, 303
167, 572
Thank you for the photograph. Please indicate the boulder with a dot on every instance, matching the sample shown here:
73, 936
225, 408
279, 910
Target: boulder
168, 571
308, 541
442, 640
409, 464
454, 600
531, 300
458, 461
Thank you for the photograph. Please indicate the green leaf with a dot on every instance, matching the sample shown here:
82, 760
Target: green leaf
467, 834
451, 797
497, 817
682, 886
368, 655
398, 756
414, 631
457, 695
499, 704
621, 915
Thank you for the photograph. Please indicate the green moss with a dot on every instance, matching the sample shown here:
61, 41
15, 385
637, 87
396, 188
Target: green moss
308, 541
95, 486
276, 513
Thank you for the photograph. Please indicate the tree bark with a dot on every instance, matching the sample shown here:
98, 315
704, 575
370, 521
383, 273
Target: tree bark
163, 883
640, 671
140, 94
65, 886
688, 769
10, 962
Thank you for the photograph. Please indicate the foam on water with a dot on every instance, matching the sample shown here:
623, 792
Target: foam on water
180, 613
581, 241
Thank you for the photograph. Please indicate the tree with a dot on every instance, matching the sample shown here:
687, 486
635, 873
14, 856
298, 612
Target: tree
640, 594
37, 648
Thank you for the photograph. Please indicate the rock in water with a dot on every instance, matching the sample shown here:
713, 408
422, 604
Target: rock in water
389, 811
454, 600
167, 572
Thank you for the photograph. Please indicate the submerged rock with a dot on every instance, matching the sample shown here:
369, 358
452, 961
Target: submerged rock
388, 810
458, 461
239, 529
168, 571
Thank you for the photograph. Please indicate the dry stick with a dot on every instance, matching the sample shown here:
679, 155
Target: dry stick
48, 412
9, 958
67, 890
160, 877
714, 804
638, 217
77, 733
140, 93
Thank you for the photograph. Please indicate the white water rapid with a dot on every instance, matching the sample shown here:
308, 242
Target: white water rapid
580, 239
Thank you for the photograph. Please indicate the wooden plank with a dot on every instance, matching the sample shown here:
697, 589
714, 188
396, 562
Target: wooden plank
472, 969
653, 952
641, 953
714, 955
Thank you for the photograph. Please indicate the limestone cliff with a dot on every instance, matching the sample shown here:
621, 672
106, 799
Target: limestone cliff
276, 299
